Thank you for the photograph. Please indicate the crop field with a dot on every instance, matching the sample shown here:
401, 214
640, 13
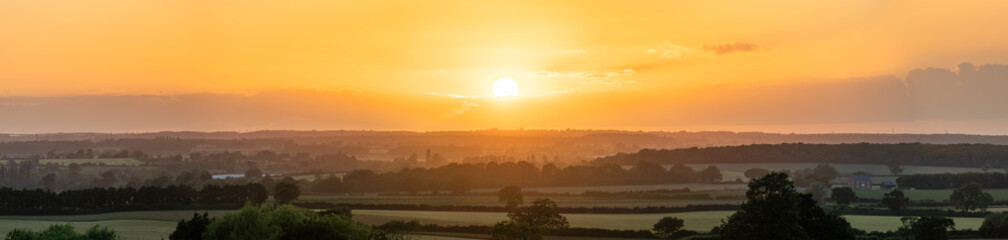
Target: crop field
566, 201
935, 195
696, 221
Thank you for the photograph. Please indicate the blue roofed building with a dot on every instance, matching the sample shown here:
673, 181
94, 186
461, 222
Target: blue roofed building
860, 182
888, 185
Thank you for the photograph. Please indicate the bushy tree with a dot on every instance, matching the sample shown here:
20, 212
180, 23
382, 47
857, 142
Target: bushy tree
253, 173
514, 230
511, 196
843, 195
754, 173
775, 210
284, 222
668, 228
895, 200
710, 174
543, 212
818, 190
192, 229
894, 167
285, 192
970, 197
530, 222
995, 225
926, 228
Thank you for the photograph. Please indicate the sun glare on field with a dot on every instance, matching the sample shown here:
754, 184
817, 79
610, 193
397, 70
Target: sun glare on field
505, 87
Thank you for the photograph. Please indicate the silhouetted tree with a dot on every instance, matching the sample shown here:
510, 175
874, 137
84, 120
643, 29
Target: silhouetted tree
894, 167
775, 210
192, 229
926, 228
754, 173
709, 174
253, 173
511, 196
668, 228
843, 195
285, 192
543, 212
970, 197
995, 225
895, 200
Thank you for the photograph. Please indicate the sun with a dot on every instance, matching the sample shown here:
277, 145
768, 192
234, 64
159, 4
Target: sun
505, 87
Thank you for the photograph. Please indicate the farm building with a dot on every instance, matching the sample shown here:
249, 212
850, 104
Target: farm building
888, 185
859, 182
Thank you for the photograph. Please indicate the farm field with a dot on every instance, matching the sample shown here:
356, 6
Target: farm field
566, 201
696, 221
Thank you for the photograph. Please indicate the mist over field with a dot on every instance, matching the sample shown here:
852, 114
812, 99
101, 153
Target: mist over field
504, 120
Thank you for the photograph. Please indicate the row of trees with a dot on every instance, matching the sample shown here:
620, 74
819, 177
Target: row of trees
275, 222
953, 180
966, 198
960, 155
63, 232
462, 177
111, 198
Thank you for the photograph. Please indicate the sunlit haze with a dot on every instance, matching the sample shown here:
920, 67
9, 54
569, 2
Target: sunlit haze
784, 66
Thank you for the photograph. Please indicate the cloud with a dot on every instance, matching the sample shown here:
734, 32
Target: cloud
673, 51
680, 52
735, 47
606, 77
465, 107
608, 82
587, 74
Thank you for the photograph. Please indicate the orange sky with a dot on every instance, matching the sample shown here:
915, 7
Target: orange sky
624, 64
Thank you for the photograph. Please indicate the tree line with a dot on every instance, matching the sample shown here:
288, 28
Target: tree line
958, 155
33, 201
953, 180
459, 178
